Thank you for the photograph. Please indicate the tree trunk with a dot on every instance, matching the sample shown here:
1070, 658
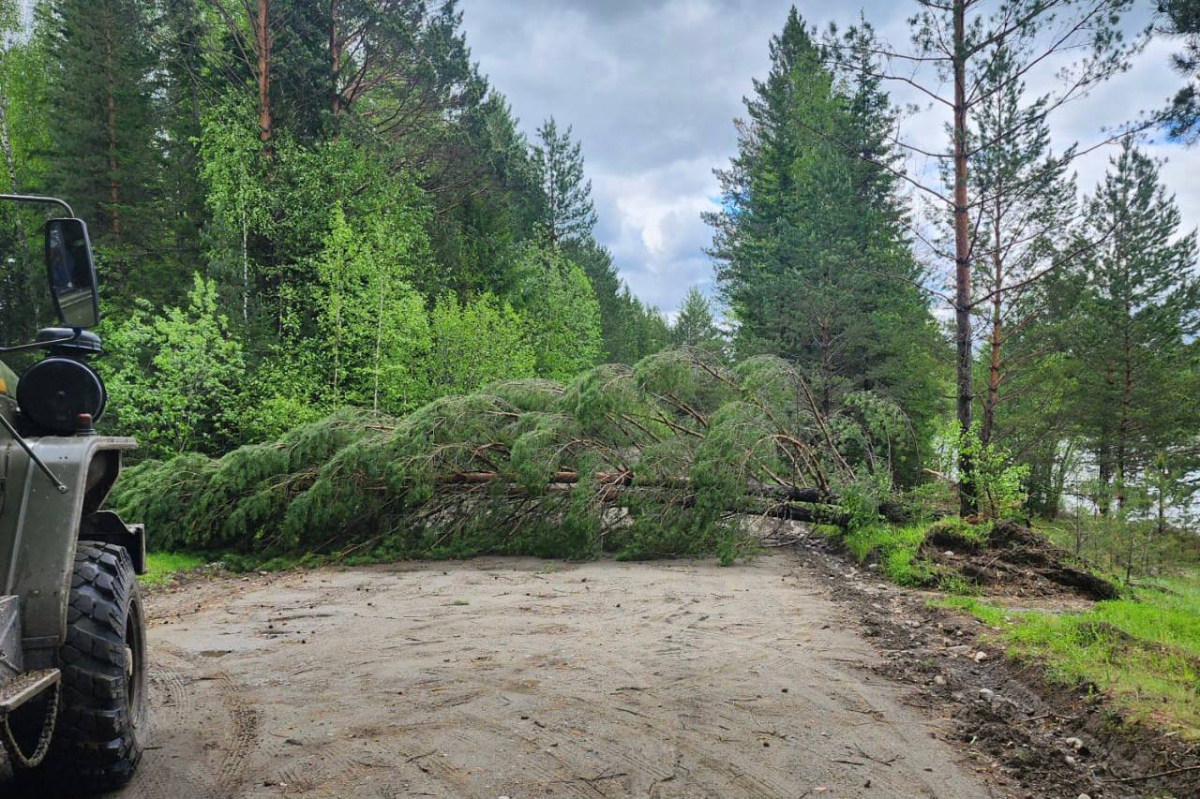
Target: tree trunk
993, 387
245, 255
335, 61
1126, 406
1104, 473
262, 49
962, 268
114, 191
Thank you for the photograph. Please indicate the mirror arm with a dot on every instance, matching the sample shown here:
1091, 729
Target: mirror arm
33, 456
37, 198
38, 345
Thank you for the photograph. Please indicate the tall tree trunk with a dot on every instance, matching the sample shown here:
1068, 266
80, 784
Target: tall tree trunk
993, 386
335, 62
262, 49
245, 259
962, 257
1104, 473
1126, 407
1161, 526
114, 190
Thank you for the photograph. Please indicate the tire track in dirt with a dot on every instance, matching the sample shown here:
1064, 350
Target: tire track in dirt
242, 734
503, 677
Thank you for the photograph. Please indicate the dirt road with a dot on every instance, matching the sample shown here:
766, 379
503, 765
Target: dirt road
517, 678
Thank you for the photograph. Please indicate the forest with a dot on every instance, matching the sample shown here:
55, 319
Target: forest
350, 309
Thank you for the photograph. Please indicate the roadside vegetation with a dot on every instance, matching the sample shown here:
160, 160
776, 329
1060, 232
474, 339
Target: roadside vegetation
162, 566
1142, 652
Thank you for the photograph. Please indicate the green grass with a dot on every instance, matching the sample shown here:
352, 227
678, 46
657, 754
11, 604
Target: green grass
1142, 651
895, 548
162, 566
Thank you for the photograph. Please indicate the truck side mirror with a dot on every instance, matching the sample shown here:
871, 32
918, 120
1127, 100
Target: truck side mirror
72, 273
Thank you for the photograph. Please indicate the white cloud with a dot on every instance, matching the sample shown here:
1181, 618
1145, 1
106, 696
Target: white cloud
652, 86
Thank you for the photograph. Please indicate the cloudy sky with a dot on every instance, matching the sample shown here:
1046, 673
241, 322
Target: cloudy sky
652, 86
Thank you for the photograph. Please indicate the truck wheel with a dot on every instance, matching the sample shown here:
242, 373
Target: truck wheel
103, 714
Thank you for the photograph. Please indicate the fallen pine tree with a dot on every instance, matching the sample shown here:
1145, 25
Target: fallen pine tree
665, 458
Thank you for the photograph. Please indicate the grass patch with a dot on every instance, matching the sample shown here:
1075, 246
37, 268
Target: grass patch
1142, 651
162, 566
955, 530
896, 549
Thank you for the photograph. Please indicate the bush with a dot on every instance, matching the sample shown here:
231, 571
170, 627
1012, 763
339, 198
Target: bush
175, 378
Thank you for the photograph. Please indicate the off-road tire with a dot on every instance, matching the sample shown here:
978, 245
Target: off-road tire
103, 715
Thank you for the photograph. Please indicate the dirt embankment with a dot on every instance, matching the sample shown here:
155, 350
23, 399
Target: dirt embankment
1033, 738
514, 678
1014, 561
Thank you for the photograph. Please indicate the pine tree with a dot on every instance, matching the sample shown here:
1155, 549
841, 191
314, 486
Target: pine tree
1141, 307
1026, 201
569, 215
953, 42
695, 326
181, 26
1183, 20
102, 129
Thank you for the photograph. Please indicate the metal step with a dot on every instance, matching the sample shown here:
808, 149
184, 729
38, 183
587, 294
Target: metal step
17, 692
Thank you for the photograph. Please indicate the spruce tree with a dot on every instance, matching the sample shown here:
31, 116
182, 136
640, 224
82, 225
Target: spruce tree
812, 258
569, 215
695, 326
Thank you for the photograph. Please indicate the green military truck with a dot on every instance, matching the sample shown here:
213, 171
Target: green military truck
73, 705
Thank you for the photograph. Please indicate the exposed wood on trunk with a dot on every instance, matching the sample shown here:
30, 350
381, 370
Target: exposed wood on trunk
796, 503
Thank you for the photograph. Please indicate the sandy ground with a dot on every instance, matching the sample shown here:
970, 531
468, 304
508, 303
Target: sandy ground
518, 678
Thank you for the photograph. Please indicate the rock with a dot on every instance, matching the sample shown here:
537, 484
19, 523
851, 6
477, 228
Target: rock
1084, 796
1075, 743
1071, 761
980, 657
987, 694
939, 680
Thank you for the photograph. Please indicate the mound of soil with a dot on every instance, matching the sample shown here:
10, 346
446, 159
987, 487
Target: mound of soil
1015, 560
